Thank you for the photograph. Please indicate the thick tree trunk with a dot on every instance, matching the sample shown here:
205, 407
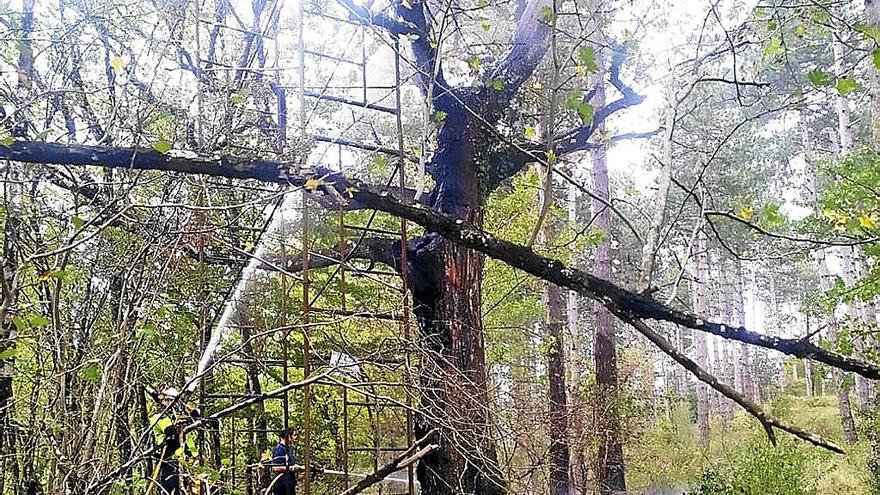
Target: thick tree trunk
610, 466
701, 307
446, 280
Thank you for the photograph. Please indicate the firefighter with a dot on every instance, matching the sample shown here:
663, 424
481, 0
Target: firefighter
168, 425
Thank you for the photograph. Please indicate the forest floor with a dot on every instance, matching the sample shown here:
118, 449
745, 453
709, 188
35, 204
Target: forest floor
667, 455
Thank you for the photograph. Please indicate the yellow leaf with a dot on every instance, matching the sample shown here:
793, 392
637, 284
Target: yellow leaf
406, 4
537, 85
746, 212
867, 221
116, 64
312, 184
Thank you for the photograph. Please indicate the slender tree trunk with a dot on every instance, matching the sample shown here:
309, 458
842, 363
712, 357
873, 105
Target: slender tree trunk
844, 119
843, 403
558, 406
856, 315
575, 427
11, 228
652, 239
744, 366
727, 289
872, 20
844, 407
701, 307
610, 465
776, 323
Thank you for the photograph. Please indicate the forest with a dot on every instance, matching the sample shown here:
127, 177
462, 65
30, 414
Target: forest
445, 247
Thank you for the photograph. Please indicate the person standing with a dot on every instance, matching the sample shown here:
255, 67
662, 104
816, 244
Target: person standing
168, 432
284, 464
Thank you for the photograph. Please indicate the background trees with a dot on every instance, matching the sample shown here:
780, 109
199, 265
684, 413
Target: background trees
115, 274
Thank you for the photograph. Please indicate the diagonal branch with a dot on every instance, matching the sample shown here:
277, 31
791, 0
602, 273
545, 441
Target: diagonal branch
402, 461
336, 186
767, 421
530, 43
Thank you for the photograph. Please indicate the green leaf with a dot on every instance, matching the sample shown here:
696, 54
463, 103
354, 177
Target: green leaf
485, 26
440, 116
77, 222
585, 110
819, 77
530, 132
587, 57
482, 4
7, 354
162, 146
36, 320
497, 84
800, 31
149, 329
547, 14
846, 86
595, 237
875, 56
20, 323
773, 48
474, 63
870, 32
238, 97
92, 372
7, 141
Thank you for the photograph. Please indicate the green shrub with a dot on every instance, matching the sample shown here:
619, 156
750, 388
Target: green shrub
758, 469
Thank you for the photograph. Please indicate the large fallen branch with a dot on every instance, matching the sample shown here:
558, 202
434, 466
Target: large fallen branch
334, 187
404, 460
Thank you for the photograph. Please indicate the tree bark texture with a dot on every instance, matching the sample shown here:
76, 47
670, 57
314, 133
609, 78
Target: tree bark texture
446, 279
610, 474
744, 364
701, 353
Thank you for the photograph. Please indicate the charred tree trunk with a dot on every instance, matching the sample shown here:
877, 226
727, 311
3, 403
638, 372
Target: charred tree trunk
446, 279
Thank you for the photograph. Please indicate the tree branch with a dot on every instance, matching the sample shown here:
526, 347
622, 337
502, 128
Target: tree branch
529, 44
398, 463
767, 421
336, 187
508, 161
578, 139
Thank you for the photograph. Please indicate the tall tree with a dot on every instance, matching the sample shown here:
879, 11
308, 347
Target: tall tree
610, 472
700, 288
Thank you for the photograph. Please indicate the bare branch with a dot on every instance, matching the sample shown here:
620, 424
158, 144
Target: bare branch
618, 300
767, 421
